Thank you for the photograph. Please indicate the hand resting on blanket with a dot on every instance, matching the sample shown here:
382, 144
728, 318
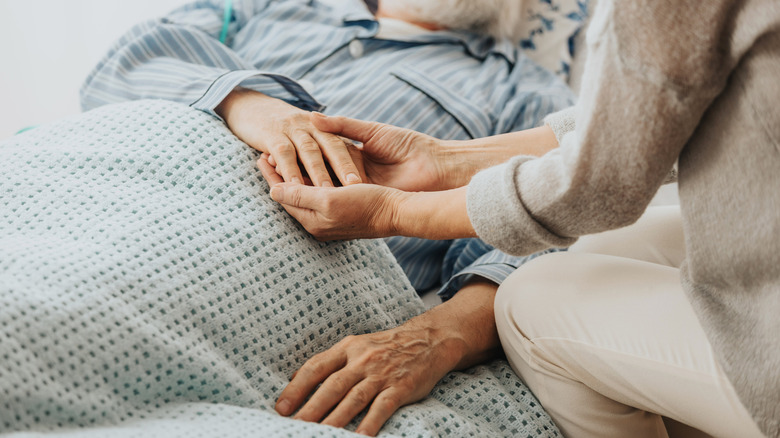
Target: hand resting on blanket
386, 370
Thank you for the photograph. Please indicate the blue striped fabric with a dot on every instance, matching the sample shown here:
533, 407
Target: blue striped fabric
452, 85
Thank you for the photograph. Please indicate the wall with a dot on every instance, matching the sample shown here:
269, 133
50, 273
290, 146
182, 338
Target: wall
47, 48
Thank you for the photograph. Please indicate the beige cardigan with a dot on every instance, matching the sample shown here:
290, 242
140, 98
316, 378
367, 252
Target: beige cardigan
688, 79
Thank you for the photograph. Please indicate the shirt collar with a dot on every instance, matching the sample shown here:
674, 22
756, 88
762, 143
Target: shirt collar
350, 10
480, 46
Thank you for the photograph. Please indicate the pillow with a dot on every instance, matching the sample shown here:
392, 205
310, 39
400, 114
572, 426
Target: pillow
549, 30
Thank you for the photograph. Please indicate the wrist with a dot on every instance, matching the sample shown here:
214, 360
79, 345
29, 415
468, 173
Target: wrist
464, 327
233, 104
461, 160
432, 215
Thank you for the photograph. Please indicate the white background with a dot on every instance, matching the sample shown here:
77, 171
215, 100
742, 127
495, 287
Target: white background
47, 48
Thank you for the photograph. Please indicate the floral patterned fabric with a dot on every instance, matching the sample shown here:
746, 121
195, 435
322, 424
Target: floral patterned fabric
550, 29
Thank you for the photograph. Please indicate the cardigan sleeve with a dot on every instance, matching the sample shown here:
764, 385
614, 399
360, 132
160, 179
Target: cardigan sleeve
640, 104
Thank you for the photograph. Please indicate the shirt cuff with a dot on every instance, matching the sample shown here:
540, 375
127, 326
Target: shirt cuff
270, 84
561, 122
496, 272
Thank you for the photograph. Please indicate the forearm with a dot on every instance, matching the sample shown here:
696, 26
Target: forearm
431, 215
461, 160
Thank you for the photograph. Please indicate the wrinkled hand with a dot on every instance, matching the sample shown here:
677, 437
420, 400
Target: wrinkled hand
356, 211
387, 370
391, 156
286, 132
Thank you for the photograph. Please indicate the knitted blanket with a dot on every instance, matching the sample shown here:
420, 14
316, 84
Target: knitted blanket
150, 287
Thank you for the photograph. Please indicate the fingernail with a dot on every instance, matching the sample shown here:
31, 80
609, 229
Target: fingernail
326, 184
277, 193
283, 407
351, 177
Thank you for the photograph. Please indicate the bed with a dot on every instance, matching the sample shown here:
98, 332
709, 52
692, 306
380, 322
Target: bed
150, 287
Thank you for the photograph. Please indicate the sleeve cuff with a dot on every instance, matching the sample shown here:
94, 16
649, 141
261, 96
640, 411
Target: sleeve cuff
270, 84
496, 273
500, 218
561, 122
493, 266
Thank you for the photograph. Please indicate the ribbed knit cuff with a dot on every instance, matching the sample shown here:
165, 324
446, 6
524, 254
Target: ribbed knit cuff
561, 122
492, 208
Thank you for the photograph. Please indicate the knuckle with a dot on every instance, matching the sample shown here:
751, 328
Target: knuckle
349, 340
295, 197
328, 204
285, 124
315, 366
390, 402
283, 148
360, 396
308, 146
338, 384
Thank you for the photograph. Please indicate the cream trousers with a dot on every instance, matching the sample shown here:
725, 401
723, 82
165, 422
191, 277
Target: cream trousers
605, 337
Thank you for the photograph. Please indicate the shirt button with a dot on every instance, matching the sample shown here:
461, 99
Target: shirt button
356, 48
307, 85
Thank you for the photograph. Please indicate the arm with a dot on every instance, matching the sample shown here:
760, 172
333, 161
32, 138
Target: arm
412, 161
634, 117
387, 370
180, 58
640, 105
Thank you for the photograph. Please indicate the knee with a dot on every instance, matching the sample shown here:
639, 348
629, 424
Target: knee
553, 294
534, 294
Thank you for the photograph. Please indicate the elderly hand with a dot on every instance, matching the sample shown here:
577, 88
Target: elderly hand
369, 211
357, 211
286, 132
392, 156
411, 161
387, 370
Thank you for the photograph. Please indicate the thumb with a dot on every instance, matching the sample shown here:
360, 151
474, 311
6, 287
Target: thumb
358, 130
296, 195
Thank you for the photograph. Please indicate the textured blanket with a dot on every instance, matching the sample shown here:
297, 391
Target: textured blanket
150, 287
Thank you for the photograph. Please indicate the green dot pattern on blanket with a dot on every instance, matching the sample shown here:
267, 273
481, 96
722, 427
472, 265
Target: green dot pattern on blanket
149, 286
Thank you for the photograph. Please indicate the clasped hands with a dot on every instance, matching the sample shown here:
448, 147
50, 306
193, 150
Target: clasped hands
393, 165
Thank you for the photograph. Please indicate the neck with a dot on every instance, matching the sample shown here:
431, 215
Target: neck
399, 14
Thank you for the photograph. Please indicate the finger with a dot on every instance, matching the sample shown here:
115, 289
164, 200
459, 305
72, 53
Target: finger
286, 159
329, 394
298, 195
353, 403
271, 160
337, 153
311, 374
272, 171
269, 173
357, 159
354, 129
305, 217
310, 154
383, 407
